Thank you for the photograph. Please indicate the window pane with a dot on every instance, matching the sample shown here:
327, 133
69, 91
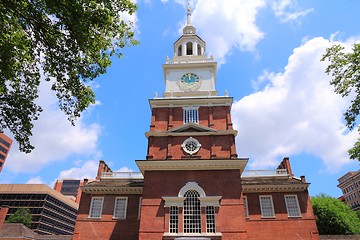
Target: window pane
120, 208
246, 207
96, 207
174, 219
292, 206
266, 205
192, 212
191, 114
210, 219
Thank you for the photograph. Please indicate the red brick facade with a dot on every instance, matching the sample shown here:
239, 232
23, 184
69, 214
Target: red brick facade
107, 227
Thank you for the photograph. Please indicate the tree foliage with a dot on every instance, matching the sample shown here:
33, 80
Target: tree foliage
333, 217
21, 215
68, 41
344, 68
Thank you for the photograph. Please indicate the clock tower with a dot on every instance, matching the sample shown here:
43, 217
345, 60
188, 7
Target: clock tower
192, 184
192, 175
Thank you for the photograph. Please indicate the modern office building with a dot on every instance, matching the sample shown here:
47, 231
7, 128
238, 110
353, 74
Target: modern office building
52, 212
70, 188
5, 145
350, 186
192, 184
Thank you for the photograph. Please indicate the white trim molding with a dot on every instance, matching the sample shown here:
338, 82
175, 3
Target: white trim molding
175, 165
210, 201
174, 201
191, 145
191, 186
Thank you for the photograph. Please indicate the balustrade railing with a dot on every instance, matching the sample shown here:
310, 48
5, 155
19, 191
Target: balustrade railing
264, 173
121, 175
188, 60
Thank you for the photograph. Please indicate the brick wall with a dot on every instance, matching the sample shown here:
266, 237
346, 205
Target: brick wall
107, 227
217, 117
230, 216
282, 226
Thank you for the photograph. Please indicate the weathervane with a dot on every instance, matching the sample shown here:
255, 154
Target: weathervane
188, 13
188, 8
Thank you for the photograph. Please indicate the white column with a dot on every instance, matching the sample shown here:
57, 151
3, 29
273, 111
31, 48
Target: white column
195, 53
183, 49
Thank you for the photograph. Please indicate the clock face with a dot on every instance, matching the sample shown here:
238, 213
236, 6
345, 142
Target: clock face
189, 82
190, 78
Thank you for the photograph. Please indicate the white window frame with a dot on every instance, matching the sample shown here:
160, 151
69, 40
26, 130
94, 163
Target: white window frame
190, 214
262, 207
139, 210
210, 219
91, 210
191, 114
122, 216
288, 207
173, 219
246, 207
192, 142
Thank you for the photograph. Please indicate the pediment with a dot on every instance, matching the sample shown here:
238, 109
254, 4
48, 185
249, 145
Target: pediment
191, 127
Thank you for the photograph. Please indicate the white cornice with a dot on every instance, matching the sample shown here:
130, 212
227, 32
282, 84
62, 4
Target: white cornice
191, 125
275, 187
165, 134
91, 189
210, 201
190, 101
203, 235
174, 165
174, 201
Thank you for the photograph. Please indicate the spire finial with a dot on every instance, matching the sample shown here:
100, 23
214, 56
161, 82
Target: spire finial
188, 14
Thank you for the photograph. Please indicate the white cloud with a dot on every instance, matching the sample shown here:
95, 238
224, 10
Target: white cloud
124, 169
132, 19
54, 138
87, 170
35, 180
296, 111
231, 24
226, 24
287, 10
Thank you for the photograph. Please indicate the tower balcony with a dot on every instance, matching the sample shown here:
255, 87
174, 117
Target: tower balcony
190, 59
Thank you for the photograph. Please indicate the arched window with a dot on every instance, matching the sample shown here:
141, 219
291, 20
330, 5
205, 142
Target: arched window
192, 212
189, 48
198, 50
179, 50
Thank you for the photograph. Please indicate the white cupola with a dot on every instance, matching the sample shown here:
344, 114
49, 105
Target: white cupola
190, 72
189, 44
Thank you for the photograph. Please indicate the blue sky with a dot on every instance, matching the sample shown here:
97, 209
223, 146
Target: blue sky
268, 55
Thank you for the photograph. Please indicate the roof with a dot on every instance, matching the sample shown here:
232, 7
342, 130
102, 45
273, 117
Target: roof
113, 186
36, 189
274, 184
18, 230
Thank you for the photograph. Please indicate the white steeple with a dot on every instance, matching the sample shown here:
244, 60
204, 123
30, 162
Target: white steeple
188, 22
190, 72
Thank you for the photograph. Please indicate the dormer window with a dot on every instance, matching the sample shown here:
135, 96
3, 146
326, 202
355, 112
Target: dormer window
189, 48
191, 114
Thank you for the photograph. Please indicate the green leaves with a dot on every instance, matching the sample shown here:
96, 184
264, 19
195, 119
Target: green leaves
71, 41
22, 215
345, 69
334, 217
